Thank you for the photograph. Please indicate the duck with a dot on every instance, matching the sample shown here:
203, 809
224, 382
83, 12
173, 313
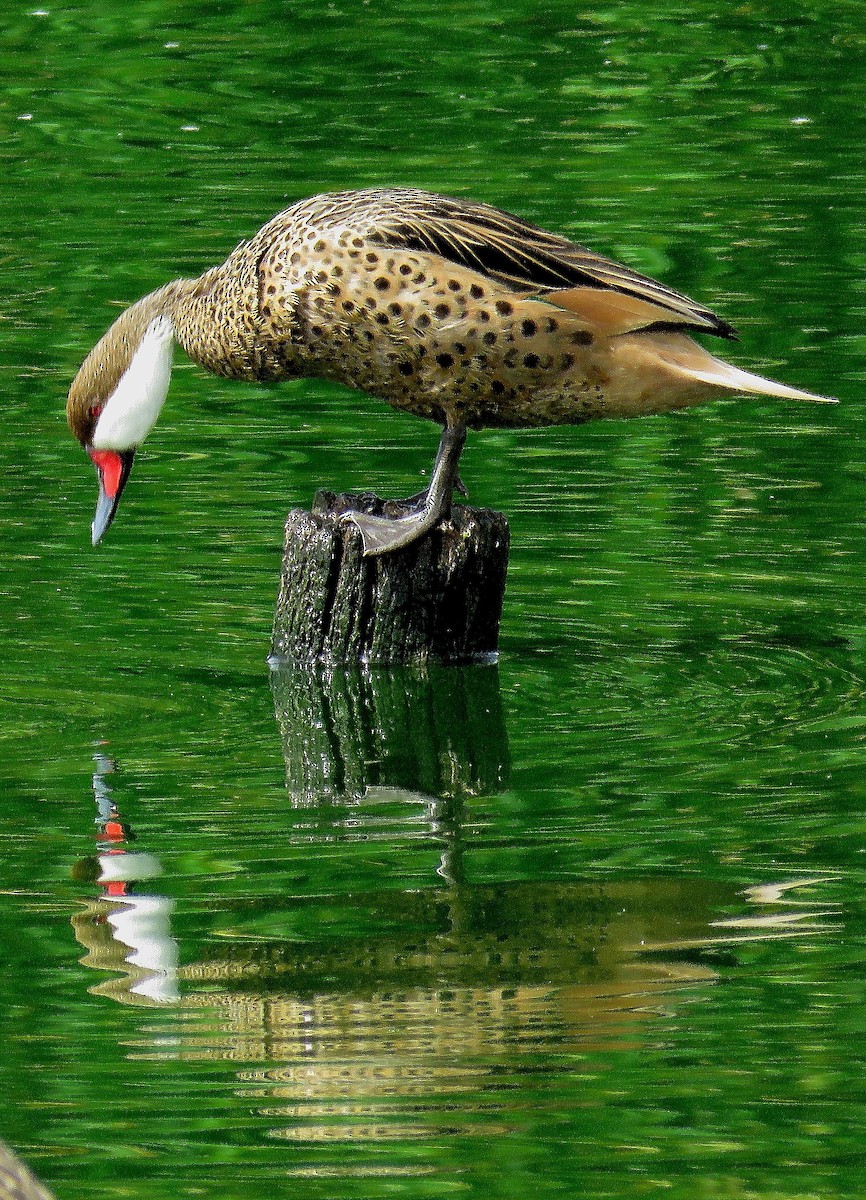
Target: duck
448, 308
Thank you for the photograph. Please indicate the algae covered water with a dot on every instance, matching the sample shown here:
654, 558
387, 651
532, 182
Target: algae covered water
588, 922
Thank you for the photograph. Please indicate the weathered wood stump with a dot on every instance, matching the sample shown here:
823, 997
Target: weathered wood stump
439, 599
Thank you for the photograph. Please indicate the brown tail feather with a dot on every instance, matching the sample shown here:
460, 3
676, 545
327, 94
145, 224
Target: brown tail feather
613, 313
692, 361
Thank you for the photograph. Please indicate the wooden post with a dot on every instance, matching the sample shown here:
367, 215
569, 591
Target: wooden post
437, 600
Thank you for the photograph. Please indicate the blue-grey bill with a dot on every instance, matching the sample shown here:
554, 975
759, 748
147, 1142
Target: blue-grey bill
106, 507
106, 504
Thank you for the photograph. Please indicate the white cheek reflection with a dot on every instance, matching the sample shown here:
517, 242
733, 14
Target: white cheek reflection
142, 925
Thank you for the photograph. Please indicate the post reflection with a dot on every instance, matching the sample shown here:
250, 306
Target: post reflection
374, 1012
368, 739
436, 731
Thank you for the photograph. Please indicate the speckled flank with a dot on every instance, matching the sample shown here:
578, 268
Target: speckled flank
435, 342
338, 299
449, 309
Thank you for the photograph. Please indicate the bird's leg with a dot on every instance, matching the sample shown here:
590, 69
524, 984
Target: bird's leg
383, 534
419, 497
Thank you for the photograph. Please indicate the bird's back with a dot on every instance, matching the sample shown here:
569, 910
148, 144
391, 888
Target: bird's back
399, 294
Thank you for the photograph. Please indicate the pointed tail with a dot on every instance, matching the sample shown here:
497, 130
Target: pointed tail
692, 360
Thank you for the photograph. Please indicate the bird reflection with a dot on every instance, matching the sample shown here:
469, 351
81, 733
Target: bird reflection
125, 928
380, 1012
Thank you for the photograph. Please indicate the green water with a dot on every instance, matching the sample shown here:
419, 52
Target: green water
589, 923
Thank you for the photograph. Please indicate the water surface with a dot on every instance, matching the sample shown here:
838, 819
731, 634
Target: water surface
586, 923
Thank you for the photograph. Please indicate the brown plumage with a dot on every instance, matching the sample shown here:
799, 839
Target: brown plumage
452, 310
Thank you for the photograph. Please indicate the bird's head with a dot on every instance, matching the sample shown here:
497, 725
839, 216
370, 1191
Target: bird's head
116, 397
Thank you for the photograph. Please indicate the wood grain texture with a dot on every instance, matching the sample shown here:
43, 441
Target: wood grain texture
438, 600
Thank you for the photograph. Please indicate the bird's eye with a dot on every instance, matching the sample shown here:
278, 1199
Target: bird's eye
95, 410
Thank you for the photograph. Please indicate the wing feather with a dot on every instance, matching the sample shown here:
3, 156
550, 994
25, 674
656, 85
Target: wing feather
522, 256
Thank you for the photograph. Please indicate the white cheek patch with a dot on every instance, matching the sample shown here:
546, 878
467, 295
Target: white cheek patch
132, 408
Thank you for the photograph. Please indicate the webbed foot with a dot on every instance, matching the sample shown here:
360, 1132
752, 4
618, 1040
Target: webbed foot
381, 535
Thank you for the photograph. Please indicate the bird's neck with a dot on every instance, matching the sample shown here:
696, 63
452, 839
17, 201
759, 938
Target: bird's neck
215, 317
216, 320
